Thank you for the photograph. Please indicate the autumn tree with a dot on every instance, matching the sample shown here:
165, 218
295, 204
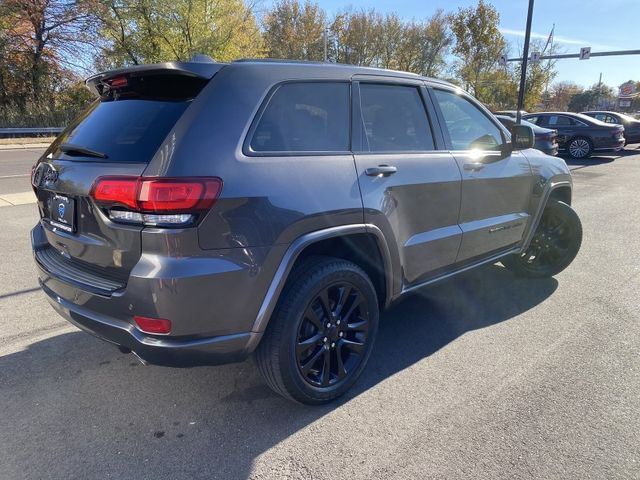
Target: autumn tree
478, 46
560, 95
150, 31
356, 37
295, 30
44, 44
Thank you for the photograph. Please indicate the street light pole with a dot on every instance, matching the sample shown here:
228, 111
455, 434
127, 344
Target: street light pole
525, 59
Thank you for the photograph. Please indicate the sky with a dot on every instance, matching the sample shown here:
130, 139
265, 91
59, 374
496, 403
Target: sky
603, 25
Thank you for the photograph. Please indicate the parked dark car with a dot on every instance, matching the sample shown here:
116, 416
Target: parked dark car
630, 124
200, 212
545, 138
580, 135
510, 113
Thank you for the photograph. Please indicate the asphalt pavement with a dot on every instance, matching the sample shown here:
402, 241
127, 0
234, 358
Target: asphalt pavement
482, 376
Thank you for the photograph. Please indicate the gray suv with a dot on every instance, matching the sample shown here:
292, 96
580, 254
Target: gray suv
199, 212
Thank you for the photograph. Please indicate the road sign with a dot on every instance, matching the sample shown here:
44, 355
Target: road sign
502, 61
627, 89
585, 53
535, 57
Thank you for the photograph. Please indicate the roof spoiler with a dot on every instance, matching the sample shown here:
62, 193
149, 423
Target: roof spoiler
200, 66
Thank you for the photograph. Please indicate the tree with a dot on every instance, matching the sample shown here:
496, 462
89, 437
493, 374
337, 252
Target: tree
539, 76
479, 44
592, 98
356, 37
424, 46
560, 95
150, 31
45, 35
294, 30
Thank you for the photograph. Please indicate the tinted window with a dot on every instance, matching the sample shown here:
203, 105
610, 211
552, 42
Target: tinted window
468, 127
305, 117
507, 122
560, 120
128, 130
394, 119
535, 120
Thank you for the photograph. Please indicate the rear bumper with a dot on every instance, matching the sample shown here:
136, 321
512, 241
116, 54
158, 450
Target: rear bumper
610, 145
211, 297
152, 349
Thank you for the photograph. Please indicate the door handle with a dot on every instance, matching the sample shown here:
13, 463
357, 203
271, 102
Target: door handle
381, 171
475, 166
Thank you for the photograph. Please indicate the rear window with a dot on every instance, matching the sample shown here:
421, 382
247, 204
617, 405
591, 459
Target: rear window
305, 117
128, 124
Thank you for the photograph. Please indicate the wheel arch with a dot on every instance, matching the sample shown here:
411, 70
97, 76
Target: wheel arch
362, 244
559, 190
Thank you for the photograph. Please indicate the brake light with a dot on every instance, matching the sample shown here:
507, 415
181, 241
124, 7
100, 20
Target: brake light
178, 195
160, 326
118, 82
156, 201
119, 190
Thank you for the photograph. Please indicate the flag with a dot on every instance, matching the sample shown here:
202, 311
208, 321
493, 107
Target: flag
550, 39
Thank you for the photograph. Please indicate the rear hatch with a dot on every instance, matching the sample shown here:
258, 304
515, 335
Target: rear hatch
117, 135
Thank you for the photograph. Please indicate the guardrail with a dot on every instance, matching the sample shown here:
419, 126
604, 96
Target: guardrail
29, 132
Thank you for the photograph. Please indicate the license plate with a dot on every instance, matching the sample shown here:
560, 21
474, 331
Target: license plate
61, 212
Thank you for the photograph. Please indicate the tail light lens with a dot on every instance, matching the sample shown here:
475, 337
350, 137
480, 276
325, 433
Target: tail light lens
156, 201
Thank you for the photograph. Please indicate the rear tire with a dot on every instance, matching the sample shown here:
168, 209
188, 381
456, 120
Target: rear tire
580, 148
320, 337
554, 245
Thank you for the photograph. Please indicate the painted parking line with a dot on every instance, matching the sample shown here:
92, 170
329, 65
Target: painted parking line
21, 198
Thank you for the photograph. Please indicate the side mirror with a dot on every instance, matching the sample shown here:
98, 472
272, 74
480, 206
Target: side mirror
522, 137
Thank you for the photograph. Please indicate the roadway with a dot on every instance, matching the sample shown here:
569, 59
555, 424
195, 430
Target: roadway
482, 376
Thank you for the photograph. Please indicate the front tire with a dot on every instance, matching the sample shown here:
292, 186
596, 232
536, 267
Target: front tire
554, 245
580, 148
321, 335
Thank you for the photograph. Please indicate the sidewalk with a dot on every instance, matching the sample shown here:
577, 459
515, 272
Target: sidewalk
13, 146
13, 199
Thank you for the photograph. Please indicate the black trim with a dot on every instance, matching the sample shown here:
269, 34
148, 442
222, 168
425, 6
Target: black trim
89, 278
157, 350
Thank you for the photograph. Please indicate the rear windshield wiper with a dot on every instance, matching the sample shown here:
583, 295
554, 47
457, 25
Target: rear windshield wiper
80, 150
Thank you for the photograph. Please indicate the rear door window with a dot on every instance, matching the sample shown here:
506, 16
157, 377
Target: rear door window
560, 121
395, 118
305, 117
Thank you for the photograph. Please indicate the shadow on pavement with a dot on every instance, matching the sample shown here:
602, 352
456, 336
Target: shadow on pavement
77, 408
601, 158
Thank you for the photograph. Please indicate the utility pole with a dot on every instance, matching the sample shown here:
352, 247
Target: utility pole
525, 58
325, 42
599, 106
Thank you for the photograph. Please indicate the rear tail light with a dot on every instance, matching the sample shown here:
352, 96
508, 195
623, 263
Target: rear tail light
159, 326
156, 201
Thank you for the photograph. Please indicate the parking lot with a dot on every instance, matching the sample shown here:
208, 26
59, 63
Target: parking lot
482, 376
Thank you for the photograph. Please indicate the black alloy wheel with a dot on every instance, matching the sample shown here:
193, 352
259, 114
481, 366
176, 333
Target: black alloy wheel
554, 245
332, 335
320, 337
